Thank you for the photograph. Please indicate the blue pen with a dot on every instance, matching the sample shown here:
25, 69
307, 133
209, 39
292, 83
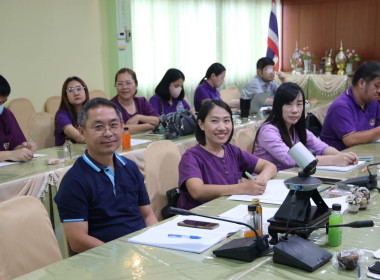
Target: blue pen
184, 236
325, 189
249, 175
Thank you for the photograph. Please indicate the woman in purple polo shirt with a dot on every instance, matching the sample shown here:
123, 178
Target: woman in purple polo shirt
208, 86
214, 167
138, 114
168, 92
74, 95
286, 126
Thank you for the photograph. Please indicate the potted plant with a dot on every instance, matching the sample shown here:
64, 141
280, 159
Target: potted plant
352, 57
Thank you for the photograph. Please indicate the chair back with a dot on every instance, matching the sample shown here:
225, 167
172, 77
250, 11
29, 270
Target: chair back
23, 109
41, 125
161, 161
97, 93
68, 252
244, 139
27, 240
229, 93
52, 104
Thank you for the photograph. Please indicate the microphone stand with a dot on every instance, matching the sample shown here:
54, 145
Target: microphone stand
245, 249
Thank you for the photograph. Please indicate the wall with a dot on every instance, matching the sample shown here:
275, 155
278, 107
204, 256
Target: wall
45, 41
321, 24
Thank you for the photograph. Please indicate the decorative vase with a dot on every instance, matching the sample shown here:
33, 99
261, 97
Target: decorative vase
349, 67
307, 66
353, 208
296, 62
329, 64
341, 60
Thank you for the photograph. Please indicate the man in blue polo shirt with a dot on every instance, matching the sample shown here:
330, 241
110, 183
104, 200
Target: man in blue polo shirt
354, 117
103, 196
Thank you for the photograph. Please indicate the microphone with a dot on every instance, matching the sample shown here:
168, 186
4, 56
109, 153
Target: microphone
370, 182
244, 249
300, 253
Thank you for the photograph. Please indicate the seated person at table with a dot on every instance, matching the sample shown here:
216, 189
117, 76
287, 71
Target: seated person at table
264, 80
286, 126
354, 116
13, 145
103, 196
215, 167
138, 114
168, 92
208, 86
74, 95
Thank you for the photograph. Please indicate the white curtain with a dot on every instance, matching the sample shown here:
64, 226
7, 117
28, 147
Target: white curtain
190, 35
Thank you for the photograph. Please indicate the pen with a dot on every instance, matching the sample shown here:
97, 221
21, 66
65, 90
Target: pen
365, 169
325, 189
249, 175
30, 139
184, 236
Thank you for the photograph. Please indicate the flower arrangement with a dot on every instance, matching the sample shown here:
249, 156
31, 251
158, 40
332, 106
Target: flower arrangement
306, 54
358, 198
352, 56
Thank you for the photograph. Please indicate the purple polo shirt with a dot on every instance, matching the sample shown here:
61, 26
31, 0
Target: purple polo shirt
345, 116
62, 118
199, 163
270, 146
155, 101
10, 132
204, 91
143, 107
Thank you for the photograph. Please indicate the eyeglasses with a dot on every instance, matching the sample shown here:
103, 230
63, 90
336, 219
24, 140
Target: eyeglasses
73, 89
101, 128
127, 84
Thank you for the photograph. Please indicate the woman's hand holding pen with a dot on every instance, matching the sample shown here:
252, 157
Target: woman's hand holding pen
344, 159
257, 184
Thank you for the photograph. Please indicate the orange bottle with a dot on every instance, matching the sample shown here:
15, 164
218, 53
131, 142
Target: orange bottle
250, 220
259, 216
126, 139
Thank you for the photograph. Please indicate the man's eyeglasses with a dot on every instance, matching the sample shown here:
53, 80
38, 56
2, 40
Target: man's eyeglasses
73, 89
101, 128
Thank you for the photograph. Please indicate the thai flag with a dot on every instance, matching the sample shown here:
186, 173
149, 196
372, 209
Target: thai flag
272, 51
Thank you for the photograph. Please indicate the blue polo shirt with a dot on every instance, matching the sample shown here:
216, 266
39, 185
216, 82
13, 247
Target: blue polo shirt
345, 116
108, 201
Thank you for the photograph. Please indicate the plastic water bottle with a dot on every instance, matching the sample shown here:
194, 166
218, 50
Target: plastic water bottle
259, 216
180, 107
67, 149
336, 218
250, 219
126, 139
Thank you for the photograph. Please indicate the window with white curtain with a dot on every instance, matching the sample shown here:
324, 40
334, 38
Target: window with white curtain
190, 35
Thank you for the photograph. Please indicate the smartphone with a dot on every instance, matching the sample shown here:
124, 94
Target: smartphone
198, 224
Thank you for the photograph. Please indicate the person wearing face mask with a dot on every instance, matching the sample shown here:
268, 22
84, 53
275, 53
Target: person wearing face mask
169, 92
13, 145
264, 81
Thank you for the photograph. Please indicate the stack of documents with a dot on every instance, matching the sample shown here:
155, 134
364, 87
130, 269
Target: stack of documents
159, 236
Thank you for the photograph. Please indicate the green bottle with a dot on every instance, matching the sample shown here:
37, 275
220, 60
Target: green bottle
336, 218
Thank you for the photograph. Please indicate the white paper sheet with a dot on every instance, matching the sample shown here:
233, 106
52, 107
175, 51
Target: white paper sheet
158, 235
135, 142
275, 193
340, 168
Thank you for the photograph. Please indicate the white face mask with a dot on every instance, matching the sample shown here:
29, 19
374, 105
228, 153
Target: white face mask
175, 92
2, 108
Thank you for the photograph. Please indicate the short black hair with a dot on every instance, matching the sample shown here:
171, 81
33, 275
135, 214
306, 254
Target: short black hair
205, 109
264, 61
368, 71
162, 89
93, 103
5, 88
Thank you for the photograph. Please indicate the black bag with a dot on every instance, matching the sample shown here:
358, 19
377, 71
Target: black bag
178, 123
313, 124
172, 196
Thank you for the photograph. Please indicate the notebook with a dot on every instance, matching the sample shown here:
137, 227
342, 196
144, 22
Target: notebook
257, 102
